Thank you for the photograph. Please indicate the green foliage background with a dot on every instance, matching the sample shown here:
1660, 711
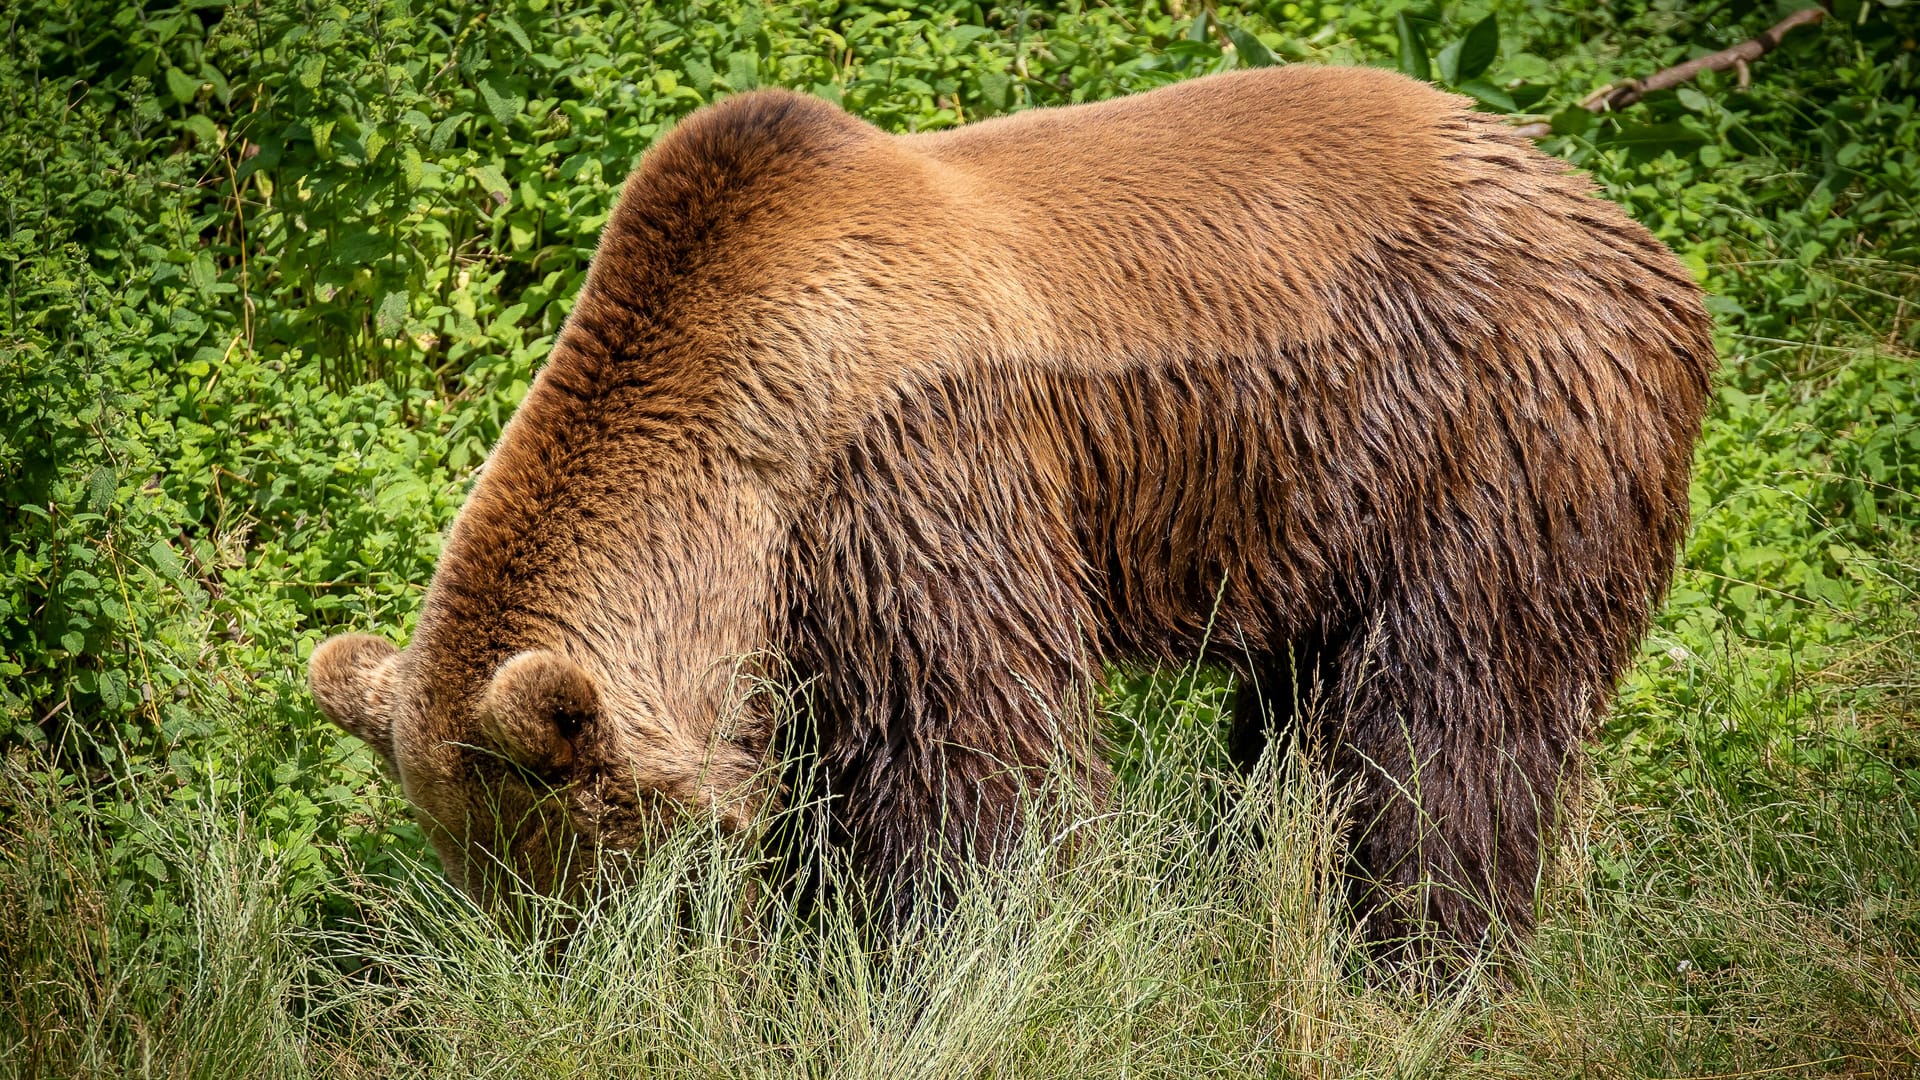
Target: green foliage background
277, 272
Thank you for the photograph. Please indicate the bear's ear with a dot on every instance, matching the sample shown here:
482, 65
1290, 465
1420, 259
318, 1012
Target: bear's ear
537, 707
348, 675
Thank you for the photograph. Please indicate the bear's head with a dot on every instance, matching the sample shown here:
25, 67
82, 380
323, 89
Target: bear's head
521, 772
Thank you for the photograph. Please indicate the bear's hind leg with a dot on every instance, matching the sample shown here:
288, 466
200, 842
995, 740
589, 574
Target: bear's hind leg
1461, 730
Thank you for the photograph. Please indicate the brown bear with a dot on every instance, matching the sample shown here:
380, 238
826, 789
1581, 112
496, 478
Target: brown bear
1316, 360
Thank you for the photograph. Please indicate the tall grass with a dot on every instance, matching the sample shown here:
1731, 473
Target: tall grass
1722, 931
95, 988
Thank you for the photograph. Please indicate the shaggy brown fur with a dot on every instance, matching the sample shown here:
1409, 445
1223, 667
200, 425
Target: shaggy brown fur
1316, 356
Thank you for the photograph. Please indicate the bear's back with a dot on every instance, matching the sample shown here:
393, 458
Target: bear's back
1281, 208
1333, 149
1257, 211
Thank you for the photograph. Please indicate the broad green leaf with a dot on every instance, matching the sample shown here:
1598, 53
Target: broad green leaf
182, 86
164, 560
210, 74
392, 314
204, 130
1193, 50
1572, 120
1413, 48
743, 70
506, 320
113, 690
445, 130
1487, 94
1655, 138
100, 489
1253, 52
495, 184
500, 99
519, 36
1527, 95
1447, 62
1478, 50
996, 89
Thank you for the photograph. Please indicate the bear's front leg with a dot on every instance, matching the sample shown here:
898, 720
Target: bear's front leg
920, 802
944, 637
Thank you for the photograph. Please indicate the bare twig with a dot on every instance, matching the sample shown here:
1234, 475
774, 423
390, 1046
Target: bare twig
1621, 95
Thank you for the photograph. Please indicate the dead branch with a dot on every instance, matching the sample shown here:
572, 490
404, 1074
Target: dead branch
1620, 95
